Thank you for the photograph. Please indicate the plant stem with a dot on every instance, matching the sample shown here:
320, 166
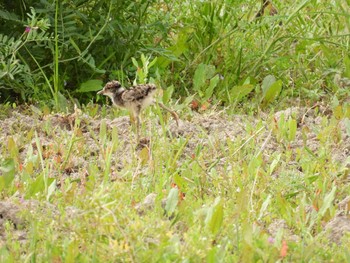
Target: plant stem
56, 69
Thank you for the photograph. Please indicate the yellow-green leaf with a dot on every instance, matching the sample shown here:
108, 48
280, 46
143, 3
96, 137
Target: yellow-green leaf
327, 201
215, 216
90, 85
7, 173
292, 129
172, 200
272, 92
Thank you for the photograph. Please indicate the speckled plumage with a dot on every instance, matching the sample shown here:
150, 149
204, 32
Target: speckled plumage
134, 99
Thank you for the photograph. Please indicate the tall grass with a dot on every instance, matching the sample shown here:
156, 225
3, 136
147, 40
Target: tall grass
293, 45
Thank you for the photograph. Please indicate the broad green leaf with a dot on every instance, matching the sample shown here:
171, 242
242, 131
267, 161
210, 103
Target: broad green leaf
8, 166
199, 77
167, 93
134, 61
180, 182
334, 102
144, 60
51, 189
36, 110
62, 101
272, 92
151, 64
264, 206
91, 85
202, 73
211, 256
174, 51
338, 112
215, 216
292, 129
274, 163
7, 173
210, 90
144, 155
217, 219
238, 92
38, 186
267, 82
29, 168
12, 148
172, 200
327, 201
347, 67
217, 253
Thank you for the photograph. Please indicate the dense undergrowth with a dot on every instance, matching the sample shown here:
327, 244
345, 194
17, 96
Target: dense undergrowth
240, 180
55, 51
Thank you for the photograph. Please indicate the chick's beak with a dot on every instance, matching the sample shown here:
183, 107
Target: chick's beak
100, 92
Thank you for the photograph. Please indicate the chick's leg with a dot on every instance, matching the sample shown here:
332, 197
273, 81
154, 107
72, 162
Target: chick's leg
138, 128
173, 113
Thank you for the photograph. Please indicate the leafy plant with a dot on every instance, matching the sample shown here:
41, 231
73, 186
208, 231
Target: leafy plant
7, 169
205, 81
215, 216
85, 44
14, 69
142, 71
271, 88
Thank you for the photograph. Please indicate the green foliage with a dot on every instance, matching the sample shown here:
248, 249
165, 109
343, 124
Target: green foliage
271, 88
328, 201
205, 81
142, 70
295, 46
15, 72
285, 129
219, 51
172, 200
215, 216
87, 39
91, 85
7, 169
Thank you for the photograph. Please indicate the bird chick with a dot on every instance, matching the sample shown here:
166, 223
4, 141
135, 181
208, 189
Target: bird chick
134, 99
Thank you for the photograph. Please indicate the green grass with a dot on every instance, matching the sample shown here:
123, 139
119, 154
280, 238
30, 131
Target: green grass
244, 187
238, 181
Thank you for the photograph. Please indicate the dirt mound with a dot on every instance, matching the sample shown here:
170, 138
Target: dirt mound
12, 216
16, 215
337, 228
